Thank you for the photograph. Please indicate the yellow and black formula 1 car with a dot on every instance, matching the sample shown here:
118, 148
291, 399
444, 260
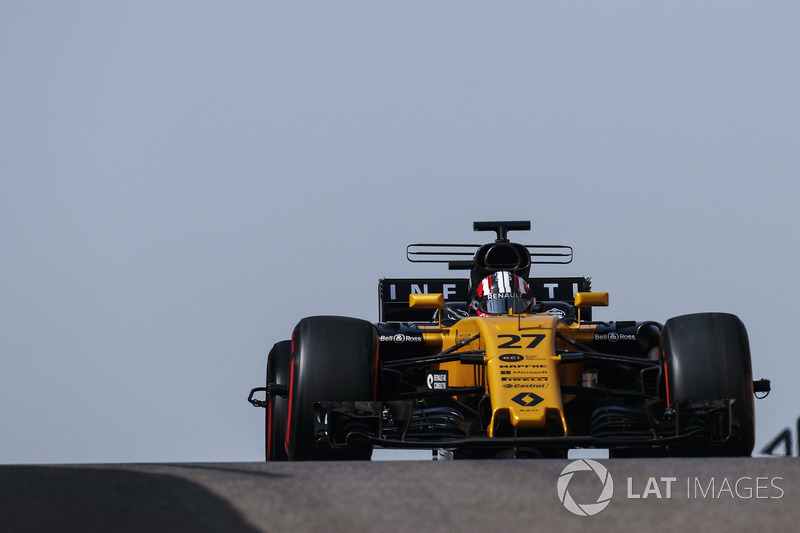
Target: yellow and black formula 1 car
504, 365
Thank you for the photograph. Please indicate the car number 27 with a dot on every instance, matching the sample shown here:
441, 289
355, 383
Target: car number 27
515, 341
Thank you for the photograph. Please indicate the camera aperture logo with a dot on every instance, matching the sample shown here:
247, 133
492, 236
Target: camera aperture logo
566, 477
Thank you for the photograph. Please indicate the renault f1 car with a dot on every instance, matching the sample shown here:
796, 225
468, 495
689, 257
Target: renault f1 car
502, 364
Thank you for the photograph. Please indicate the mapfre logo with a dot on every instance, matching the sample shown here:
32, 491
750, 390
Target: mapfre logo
566, 479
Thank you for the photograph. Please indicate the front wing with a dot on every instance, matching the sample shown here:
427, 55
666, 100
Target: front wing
393, 425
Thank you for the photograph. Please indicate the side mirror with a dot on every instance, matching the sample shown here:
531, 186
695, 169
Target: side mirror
426, 301
590, 299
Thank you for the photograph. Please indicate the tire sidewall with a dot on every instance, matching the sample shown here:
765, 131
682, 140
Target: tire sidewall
278, 371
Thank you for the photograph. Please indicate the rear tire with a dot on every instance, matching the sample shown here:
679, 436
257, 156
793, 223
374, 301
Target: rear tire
279, 364
707, 356
334, 359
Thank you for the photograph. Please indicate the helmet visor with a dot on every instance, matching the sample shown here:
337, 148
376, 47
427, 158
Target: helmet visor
501, 306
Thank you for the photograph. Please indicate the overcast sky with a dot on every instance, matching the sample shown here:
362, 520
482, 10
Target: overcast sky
181, 182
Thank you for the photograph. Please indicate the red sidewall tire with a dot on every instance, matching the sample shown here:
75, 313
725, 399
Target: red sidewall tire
278, 369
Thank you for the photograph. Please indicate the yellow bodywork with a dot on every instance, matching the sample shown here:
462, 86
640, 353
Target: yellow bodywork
522, 370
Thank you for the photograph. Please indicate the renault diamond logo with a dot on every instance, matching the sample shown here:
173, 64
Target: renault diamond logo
526, 399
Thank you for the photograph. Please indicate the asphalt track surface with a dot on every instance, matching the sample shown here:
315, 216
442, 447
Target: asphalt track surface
493, 495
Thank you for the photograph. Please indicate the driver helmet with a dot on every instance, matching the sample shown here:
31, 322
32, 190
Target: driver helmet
501, 293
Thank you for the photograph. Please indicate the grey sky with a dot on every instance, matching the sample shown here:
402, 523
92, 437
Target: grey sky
181, 182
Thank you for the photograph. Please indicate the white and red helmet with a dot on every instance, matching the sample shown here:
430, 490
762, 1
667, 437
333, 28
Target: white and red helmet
502, 293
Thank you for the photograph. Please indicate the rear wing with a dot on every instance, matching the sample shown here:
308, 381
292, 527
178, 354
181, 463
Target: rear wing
393, 294
455, 255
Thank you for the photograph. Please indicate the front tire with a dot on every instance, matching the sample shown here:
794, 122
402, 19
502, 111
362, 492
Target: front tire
707, 356
334, 359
